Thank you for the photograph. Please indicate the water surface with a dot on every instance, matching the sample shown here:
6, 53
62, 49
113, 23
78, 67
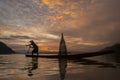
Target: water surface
19, 67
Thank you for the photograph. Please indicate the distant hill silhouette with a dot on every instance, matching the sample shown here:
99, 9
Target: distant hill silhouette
115, 47
4, 49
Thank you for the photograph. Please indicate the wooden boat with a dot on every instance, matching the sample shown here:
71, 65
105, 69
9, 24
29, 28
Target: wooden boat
83, 55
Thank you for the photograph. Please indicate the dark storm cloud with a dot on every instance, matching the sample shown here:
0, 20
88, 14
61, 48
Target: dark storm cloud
6, 38
16, 37
20, 37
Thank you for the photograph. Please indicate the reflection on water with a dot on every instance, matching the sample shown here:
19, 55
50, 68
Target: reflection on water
94, 62
32, 65
62, 67
19, 67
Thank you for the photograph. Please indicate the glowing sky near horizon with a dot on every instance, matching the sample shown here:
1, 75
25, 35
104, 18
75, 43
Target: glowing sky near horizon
87, 24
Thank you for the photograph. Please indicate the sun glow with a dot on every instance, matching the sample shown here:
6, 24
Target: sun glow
47, 48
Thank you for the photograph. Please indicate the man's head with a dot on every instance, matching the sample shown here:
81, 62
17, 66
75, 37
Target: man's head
31, 41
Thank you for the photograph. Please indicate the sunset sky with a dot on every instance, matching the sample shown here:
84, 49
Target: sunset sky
88, 25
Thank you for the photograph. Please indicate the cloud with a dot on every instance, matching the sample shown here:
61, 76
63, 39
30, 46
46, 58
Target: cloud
49, 3
21, 37
99, 24
86, 24
19, 12
6, 38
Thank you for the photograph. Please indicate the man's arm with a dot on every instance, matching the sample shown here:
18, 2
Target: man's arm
30, 45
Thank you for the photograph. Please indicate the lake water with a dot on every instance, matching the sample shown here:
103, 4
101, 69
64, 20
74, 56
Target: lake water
19, 67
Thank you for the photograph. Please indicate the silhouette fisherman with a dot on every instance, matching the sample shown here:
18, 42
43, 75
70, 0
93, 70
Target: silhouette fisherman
34, 46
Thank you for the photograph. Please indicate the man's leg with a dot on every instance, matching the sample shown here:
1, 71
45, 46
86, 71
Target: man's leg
32, 53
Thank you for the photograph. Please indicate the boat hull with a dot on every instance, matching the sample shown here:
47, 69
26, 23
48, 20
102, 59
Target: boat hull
83, 55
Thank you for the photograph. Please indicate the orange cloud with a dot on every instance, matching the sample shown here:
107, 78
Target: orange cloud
55, 18
53, 3
66, 13
50, 3
93, 43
